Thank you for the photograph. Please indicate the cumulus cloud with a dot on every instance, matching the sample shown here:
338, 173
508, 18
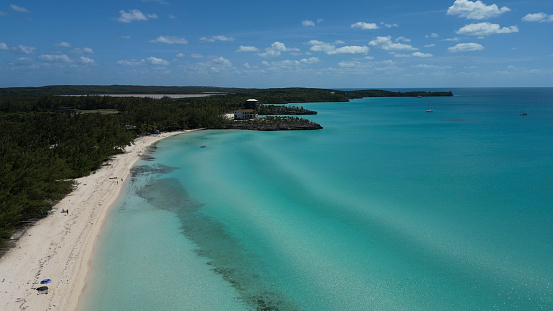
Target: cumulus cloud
415, 54
22, 49
425, 66
485, 29
63, 44
82, 51
538, 17
215, 65
86, 60
4, 47
156, 61
475, 10
217, 38
386, 44
47, 58
18, 8
432, 35
319, 46
466, 47
291, 63
365, 26
134, 15
169, 40
148, 61
419, 54
247, 48
275, 49
389, 25
310, 60
311, 23
131, 62
353, 49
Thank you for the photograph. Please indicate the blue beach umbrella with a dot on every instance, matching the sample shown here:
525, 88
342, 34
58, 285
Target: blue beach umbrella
45, 281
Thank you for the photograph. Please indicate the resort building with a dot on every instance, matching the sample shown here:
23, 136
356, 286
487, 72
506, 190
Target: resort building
245, 114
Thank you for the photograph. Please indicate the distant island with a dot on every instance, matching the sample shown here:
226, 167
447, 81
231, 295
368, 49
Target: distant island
50, 138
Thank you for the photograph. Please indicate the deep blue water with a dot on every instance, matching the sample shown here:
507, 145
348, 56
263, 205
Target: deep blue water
389, 207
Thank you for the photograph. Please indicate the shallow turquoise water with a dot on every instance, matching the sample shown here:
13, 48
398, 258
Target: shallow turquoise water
387, 208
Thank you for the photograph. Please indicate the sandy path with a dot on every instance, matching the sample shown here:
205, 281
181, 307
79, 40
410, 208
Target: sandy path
59, 247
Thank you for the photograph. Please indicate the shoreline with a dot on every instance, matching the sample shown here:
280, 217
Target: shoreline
60, 246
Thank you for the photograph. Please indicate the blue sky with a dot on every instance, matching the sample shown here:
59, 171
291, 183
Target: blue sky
334, 44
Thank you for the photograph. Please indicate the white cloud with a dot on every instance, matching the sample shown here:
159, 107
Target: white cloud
169, 40
415, 54
134, 15
538, 17
275, 49
485, 29
4, 46
215, 65
310, 60
156, 61
365, 26
425, 66
466, 47
148, 61
319, 46
85, 60
55, 58
389, 25
419, 54
429, 45
308, 23
19, 9
386, 43
82, 51
432, 35
403, 39
22, 49
349, 50
2, 13
180, 55
131, 62
217, 38
247, 48
63, 44
475, 10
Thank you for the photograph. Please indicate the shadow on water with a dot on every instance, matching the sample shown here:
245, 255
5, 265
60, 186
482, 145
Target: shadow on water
228, 258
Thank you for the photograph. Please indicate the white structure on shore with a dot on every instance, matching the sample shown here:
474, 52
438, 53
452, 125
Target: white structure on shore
245, 114
249, 111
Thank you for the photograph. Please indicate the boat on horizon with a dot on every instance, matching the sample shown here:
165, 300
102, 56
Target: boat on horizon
522, 112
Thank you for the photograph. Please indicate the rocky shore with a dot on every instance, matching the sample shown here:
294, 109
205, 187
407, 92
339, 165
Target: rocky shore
272, 124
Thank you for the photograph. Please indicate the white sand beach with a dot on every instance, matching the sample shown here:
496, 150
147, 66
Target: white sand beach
59, 247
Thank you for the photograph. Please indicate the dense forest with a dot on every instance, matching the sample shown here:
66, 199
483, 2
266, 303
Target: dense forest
43, 149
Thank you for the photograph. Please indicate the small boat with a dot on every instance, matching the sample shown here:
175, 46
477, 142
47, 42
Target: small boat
420, 96
428, 109
522, 112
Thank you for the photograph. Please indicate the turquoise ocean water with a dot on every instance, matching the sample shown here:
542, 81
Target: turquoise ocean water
389, 207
